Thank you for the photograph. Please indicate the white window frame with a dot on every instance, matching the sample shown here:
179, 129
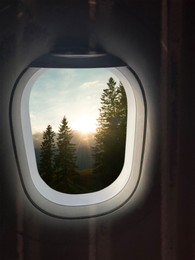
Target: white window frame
89, 204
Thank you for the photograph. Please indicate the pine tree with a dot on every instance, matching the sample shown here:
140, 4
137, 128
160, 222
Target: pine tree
65, 160
47, 151
110, 138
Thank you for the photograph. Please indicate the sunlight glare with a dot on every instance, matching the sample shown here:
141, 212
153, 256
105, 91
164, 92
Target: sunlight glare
85, 125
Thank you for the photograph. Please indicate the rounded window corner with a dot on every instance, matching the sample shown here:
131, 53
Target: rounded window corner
96, 203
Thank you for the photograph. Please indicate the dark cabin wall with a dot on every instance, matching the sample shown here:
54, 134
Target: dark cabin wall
28, 30
187, 154
162, 226
177, 130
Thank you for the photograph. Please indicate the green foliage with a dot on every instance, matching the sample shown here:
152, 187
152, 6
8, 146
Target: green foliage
111, 133
46, 167
65, 159
57, 158
57, 155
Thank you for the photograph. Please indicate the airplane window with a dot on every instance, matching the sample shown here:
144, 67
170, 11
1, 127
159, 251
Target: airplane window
78, 121
78, 125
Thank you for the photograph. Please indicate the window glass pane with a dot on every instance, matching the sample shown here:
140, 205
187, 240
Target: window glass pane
78, 120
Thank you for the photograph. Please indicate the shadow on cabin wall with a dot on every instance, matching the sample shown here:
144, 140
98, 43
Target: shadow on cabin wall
162, 227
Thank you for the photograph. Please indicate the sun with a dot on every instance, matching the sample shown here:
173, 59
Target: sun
85, 125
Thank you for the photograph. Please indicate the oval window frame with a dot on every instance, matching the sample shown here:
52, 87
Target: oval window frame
78, 205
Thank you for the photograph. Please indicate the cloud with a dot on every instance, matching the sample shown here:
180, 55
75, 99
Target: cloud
69, 92
89, 84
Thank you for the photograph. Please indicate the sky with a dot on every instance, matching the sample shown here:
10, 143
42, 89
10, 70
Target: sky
73, 93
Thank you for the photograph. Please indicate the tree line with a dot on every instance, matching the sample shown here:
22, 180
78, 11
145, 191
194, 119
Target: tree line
57, 165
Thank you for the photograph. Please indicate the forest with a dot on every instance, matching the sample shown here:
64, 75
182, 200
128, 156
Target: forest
58, 162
